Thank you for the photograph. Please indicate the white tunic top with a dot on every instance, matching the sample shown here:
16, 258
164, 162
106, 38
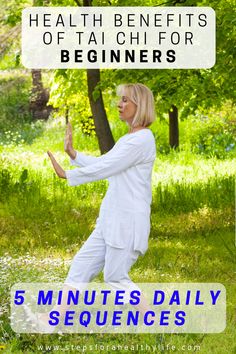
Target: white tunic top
125, 209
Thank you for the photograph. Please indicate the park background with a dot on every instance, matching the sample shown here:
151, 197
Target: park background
44, 222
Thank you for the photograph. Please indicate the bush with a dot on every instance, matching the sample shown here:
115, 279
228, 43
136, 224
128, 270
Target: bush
26, 134
14, 101
212, 135
16, 126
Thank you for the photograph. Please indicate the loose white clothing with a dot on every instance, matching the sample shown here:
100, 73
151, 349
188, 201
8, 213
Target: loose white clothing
94, 256
124, 215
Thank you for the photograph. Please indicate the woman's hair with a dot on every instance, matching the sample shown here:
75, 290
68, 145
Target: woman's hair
142, 96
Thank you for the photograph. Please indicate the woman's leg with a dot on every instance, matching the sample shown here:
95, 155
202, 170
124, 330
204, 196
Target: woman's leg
87, 263
118, 263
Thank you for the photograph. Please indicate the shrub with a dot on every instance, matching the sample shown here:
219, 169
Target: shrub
212, 135
14, 101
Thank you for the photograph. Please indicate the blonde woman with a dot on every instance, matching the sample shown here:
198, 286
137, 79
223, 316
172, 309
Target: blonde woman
122, 228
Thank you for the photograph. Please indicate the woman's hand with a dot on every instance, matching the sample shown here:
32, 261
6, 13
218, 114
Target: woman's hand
58, 169
68, 143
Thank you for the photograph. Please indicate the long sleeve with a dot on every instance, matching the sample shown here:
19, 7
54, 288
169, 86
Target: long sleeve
83, 160
123, 155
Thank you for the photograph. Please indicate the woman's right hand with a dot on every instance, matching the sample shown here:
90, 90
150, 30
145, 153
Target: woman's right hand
68, 143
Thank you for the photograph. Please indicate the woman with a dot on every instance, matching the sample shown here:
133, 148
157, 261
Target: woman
123, 226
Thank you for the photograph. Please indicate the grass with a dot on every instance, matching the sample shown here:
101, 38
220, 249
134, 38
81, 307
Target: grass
44, 222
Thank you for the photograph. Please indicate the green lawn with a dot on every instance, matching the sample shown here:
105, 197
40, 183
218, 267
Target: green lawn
44, 222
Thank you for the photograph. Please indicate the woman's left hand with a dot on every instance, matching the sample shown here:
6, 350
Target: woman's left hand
58, 169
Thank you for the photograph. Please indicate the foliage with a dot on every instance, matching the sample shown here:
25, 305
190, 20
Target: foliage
211, 133
208, 133
12, 11
16, 126
69, 94
26, 134
11, 59
87, 126
192, 89
189, 90
14, 100
215, 136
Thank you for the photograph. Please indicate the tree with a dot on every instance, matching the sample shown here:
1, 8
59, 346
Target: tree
39, 97
173, 127
93, 92
102, 127
11, 34
185, 91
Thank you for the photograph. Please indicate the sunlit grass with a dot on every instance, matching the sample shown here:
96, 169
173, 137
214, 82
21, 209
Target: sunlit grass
44, 222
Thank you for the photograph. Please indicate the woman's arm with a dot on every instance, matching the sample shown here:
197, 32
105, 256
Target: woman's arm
58, 169
83, 160
76, 158
68, 142
125, 155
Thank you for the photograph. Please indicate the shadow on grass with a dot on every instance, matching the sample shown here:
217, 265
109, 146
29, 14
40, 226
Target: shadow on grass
182, 197
192, 247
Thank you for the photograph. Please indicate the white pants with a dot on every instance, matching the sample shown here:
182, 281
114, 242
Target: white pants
95, 255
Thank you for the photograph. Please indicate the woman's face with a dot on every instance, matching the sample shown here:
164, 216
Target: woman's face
127, 109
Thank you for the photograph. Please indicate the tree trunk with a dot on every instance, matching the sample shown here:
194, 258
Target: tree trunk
103, 131
173, 127
39, 97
